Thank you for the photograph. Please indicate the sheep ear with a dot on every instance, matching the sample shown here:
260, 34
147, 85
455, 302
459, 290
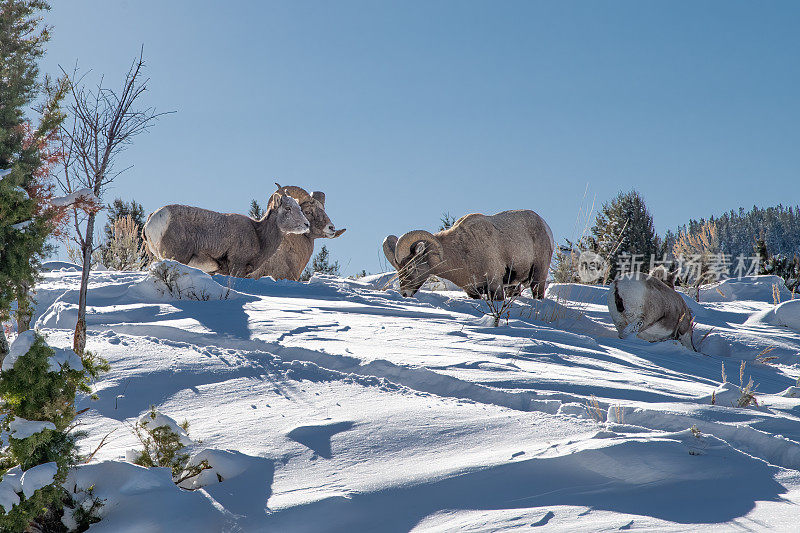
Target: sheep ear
278, 185
319, 196
424, 248
338, 232
389, 244
671, 276
275, 200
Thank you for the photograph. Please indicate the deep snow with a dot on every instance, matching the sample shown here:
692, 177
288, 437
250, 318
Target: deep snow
337, 406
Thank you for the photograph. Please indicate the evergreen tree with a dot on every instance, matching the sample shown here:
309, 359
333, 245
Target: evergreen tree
321, 263
446, 221
121, 209
777, 226
39, 385
781, 265
625, 226
564, 266
255, 210
24, 223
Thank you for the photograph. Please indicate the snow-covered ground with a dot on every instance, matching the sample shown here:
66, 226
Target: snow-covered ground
337, 406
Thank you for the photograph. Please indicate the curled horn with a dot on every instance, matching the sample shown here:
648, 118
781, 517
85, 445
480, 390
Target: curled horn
389, 244
404, 244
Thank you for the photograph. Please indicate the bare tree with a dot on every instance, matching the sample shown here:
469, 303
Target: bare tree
103, 123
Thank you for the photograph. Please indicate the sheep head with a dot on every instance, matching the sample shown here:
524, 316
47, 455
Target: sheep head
415, 255
314, 210
290, 217
663, 274
313, 206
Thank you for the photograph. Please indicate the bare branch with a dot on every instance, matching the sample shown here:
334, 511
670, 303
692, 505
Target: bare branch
104, 122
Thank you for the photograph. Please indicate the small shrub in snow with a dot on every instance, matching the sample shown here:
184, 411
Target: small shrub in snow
764, 358
556, 306
500, 309
171, 278
321, 263
619, 414
359, 275
123, 250
164, 444
698, 446
85, 507
168, 275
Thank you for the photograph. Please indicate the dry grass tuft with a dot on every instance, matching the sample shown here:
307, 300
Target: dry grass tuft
765, 359
776, 293
619, 413
747, 391
592, 407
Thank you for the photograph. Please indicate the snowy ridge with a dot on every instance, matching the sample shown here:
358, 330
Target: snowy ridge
335, 406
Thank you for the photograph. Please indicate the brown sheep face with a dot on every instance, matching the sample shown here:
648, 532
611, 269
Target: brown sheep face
414, 270
321, 225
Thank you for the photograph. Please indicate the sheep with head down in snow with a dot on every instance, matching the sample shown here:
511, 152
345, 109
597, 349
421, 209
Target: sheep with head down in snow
645, 306
493, 256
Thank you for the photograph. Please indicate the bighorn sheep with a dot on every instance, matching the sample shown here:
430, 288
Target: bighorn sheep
222, 243
295, 251
491, 256
649, 308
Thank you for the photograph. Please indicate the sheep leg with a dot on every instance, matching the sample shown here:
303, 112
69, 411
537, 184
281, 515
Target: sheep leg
514, 290
631, 329
538, 280
206, 264
537, 289
496, 293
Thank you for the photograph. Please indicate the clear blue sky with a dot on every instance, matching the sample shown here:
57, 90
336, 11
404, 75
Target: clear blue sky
402, 110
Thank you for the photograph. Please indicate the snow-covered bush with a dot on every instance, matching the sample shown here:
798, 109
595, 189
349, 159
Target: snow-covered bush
164, 443
186, 283
499, 309
86, 508
37, 396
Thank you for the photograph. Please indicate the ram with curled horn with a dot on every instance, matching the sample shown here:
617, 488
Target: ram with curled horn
487, 256
295, 251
